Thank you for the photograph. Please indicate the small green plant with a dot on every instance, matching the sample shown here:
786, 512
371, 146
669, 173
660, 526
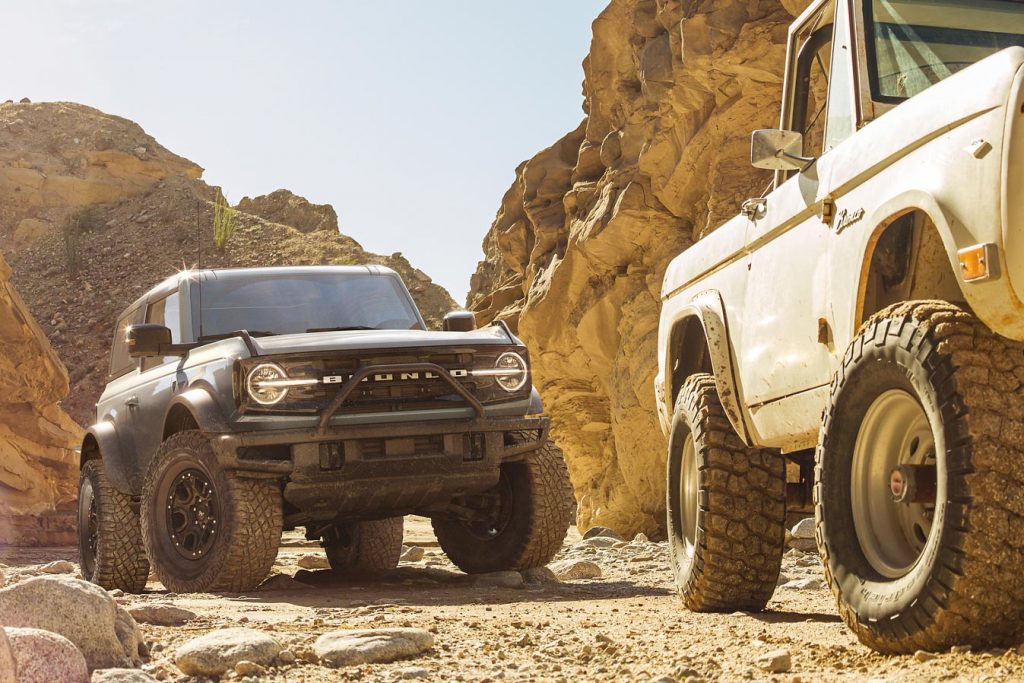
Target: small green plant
223, 222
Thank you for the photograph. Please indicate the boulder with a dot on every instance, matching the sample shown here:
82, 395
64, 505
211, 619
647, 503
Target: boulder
80, 611
349, 648
7, 667
574, 570
413, 553
540, 576
219, 651
776, 661
58, 567
313, 561
804, 529
161, 614
287, 208
45, 657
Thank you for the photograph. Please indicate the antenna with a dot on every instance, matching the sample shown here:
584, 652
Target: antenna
199, 279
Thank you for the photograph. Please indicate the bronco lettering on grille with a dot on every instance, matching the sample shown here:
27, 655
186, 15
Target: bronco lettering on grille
395, 377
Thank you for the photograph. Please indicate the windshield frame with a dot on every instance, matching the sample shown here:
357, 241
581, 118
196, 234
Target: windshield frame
869, 59
194, 330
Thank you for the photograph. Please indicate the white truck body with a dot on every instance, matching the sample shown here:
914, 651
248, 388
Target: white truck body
774, 296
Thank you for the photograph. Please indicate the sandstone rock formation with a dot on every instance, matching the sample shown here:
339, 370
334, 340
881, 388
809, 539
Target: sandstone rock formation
127, 213
281, 206
58, 157
576, 255
38, 469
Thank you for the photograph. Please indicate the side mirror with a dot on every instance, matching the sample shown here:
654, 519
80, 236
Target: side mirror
778, 150
148, 340
460, 321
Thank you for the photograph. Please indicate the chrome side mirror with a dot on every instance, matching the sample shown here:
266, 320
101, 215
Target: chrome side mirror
778, 150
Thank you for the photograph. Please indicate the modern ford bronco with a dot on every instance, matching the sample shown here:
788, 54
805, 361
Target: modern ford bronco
241, 402
852, 342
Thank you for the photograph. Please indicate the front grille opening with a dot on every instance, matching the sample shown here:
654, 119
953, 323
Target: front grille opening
379, 449
275, 452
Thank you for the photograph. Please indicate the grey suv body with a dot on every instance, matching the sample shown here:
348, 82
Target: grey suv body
241, 402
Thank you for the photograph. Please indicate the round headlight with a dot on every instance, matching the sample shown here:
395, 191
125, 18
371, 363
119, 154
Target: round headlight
257, 384
512, 374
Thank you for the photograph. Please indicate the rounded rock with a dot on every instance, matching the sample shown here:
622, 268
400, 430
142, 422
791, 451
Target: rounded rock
219, 651
84, 613
374, 646
45, 657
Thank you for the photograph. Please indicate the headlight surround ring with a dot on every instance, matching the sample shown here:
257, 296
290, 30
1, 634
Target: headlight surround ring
517, 372
266, 396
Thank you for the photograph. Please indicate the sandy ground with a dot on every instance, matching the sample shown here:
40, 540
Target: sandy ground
627, 625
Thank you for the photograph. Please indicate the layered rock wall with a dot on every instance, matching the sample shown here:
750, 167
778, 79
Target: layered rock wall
38, 468
575, 257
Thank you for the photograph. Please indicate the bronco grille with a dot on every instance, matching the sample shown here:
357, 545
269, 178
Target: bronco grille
385, 392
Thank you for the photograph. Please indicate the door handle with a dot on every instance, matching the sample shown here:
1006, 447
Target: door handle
132, 401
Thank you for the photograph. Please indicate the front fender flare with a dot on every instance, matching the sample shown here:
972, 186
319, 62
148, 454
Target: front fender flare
203, 408
709, 311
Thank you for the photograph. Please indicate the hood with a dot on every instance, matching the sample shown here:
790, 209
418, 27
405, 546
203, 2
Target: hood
312, 342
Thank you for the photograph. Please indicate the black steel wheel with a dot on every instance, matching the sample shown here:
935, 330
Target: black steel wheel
206, 528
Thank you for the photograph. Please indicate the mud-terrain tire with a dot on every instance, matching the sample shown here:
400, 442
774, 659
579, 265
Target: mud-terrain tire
366, 547
110, 548
726, 507
207, 529
529, 524
927, 386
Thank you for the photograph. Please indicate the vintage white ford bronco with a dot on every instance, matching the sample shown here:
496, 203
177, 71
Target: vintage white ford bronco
859, 328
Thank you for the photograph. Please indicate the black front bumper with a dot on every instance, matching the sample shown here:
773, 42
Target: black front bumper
388, 469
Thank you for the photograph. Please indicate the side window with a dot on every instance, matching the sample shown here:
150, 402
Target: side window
811, 96
166, 312
120, 361
840, 124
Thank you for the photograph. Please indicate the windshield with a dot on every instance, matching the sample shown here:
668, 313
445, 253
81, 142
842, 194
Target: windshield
915, 44
296, 303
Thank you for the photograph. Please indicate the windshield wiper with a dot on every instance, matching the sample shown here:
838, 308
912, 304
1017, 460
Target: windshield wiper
253, 333
340, 329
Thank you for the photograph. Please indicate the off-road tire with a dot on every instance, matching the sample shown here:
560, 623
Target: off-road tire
119, 559
540, 498
366, 547
249, 521
740, 524
966, 587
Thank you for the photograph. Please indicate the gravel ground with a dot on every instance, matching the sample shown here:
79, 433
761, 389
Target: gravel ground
626, 624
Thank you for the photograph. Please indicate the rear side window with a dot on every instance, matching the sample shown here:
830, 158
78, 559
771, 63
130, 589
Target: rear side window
120, 361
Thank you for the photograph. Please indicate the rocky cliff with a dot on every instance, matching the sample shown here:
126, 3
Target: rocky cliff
38, 468
93, 211
576, 255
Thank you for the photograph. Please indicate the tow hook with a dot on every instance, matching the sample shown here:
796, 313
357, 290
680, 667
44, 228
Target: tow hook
913, 484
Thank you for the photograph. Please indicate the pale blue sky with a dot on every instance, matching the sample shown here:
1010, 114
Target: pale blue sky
408, 116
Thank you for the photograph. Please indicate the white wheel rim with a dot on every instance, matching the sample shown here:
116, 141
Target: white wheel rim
895, 431
688, 487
